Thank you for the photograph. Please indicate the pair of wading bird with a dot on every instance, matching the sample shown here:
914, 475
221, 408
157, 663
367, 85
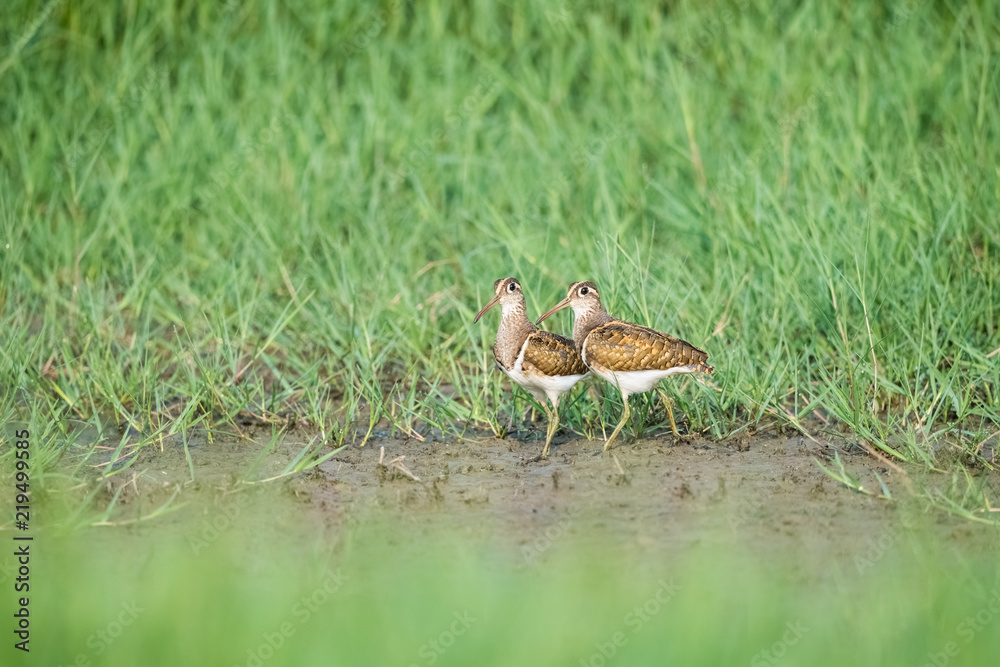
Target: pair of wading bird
634, 358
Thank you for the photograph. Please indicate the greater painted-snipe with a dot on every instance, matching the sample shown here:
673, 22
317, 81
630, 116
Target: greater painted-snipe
630, 356
543, 363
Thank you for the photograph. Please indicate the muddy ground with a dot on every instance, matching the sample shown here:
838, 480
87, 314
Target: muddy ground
655, 497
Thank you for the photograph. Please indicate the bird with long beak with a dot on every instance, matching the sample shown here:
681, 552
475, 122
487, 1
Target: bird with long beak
544, 364
634, 358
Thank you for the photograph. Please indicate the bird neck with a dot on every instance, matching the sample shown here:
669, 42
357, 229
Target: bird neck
514, 329
586, 320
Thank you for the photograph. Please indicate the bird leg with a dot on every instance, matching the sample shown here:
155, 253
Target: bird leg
551, 431
625, 413
667, 403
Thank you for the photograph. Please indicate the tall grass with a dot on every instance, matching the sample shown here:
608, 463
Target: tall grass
292, 210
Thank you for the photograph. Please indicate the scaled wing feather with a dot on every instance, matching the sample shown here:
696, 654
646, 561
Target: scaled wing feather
621, 346
552, 355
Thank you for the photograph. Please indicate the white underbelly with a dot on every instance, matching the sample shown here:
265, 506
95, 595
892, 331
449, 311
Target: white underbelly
540, 385
637, 382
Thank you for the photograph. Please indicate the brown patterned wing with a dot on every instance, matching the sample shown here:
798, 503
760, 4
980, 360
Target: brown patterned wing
621, 346
552, 355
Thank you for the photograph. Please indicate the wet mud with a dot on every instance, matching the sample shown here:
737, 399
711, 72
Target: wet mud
764, 495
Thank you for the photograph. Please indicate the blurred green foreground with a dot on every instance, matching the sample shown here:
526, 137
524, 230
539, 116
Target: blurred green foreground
260, 593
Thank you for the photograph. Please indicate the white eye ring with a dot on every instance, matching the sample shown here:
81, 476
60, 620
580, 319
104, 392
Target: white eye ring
583, 291
512, 287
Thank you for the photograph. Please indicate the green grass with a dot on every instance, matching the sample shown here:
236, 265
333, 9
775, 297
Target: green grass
272, 207
295, 209
292, 211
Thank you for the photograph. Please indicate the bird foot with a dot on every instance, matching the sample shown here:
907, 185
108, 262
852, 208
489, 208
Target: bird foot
683, 438
538, 457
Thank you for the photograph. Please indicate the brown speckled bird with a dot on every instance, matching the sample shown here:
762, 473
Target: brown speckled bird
631, 357
544, 364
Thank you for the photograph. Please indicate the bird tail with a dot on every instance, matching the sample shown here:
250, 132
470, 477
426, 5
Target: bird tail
701, 367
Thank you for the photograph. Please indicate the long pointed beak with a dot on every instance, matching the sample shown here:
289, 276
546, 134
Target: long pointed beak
492, 302
559, 306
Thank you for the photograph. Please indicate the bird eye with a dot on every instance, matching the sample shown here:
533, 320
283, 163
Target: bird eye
583, 291
512, 287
